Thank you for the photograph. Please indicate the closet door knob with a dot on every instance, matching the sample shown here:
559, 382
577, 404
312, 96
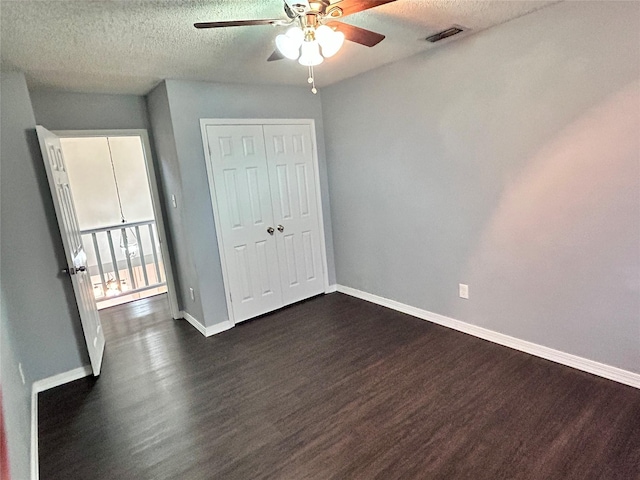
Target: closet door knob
270, 230
280, 228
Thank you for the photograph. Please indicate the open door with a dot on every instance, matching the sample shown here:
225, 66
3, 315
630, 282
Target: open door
73, 248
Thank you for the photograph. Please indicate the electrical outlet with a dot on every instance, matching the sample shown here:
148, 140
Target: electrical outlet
21, 373
173, 201
192, 294
463, 290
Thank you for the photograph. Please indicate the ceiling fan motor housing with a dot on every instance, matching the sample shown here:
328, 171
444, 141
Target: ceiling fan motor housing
298, 6
302, 7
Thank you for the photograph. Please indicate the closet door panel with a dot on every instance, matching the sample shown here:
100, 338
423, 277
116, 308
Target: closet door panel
243, 196
290, 162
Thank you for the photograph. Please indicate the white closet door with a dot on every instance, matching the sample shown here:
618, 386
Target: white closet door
295, 210
239, 168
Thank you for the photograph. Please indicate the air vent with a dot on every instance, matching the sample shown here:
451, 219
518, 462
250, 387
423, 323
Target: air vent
449, 32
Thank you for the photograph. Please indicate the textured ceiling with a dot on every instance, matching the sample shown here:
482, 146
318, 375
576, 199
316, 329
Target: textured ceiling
128, 46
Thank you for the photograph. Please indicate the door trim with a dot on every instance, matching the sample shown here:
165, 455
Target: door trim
155, 198
207, 122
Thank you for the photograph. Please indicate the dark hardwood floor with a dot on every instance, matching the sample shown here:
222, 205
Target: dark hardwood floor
334, 387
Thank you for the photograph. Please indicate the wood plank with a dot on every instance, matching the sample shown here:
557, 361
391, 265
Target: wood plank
333, 387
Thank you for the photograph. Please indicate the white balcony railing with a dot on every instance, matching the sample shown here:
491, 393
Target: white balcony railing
124, 259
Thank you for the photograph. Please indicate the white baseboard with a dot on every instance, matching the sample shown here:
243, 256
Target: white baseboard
207, 331
607, 371
41, 386
61, 378
218, 328
331, 288
195, 322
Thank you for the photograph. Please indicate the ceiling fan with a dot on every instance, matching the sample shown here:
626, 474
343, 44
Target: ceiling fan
315, 32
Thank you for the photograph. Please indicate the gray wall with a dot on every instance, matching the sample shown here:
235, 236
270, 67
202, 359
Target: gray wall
39, 315
88, 111
16, 398
168, 169
508, 161
188, 103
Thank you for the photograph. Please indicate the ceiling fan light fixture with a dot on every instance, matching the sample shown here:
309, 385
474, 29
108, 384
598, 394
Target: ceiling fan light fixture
312, 41
310, 56
330, 40
289, 43
323, 34
296, 34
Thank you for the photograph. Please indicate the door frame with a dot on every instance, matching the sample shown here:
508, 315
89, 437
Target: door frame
207, 122
155, 199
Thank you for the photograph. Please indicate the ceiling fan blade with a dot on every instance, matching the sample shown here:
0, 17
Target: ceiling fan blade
357, 34
239, 23
276, 55
350, 7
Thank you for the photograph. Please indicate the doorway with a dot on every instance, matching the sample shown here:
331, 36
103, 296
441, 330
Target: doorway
114, 188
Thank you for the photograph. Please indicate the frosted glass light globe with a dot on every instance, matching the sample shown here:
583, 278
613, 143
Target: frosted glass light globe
310, 56
331, 41
289, 43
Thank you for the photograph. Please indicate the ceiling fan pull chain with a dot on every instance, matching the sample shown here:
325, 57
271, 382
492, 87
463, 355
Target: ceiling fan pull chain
312, 81
115, 181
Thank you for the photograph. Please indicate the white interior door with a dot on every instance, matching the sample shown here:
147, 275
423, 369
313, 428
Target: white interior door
245, 218
295, 210
72, 241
